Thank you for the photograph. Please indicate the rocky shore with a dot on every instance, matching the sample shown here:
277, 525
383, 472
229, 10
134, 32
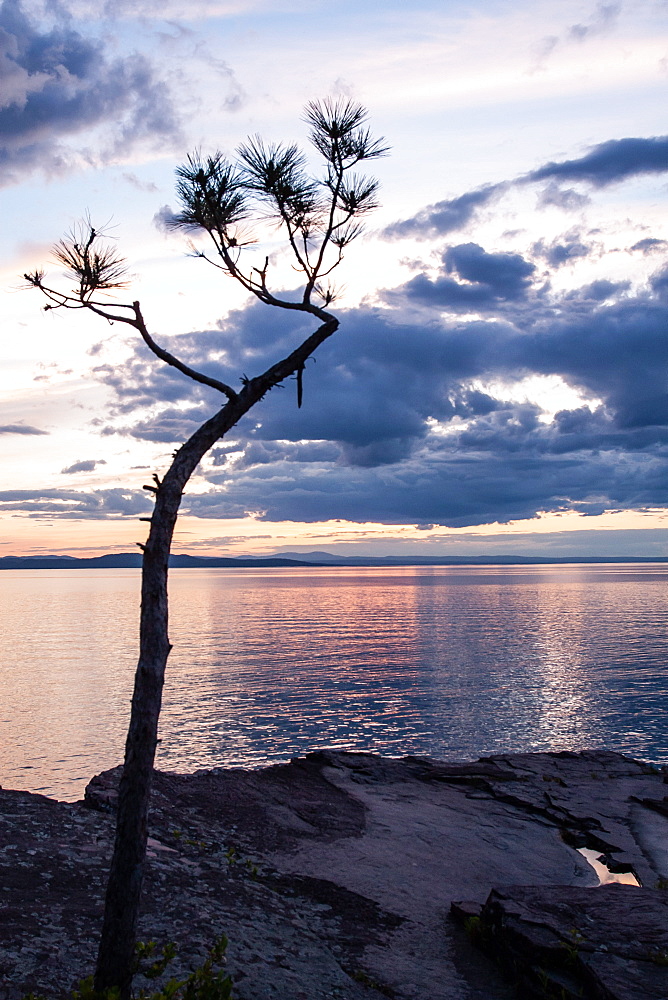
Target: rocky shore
358, 877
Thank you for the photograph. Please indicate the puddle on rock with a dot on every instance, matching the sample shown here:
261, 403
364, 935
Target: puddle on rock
605, 876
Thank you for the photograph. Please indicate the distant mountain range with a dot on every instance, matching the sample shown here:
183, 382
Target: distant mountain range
327, 559
132, 560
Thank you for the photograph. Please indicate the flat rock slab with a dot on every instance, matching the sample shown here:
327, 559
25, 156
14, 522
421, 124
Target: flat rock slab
566, 942
332, 876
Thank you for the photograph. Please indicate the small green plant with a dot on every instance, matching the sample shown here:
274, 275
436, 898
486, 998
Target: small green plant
202, 844
571, 947
252, 868
151, 967
544, 979
207, 982
549, 987
473, 927
572, 952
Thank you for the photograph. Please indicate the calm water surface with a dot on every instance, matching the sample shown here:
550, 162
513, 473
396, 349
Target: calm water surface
450, 662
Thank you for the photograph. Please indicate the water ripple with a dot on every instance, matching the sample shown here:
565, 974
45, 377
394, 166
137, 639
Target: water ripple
267, 664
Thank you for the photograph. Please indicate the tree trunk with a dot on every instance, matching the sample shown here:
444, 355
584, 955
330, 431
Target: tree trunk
116, 954
115, 966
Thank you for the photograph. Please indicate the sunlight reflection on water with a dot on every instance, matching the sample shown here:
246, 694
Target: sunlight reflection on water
450, 662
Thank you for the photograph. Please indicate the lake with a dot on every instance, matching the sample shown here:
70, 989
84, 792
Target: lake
448, 662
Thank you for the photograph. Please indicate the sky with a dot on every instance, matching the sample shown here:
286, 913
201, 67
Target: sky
499, 380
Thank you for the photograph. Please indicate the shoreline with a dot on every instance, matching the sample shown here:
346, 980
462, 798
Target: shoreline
334, 875
131, 560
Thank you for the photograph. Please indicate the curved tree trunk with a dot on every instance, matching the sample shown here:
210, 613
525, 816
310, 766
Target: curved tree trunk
116, 954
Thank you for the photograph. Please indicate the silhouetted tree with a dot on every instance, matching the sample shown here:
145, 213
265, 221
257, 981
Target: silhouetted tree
319, 216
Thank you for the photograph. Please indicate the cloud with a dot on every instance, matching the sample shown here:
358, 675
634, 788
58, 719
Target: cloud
397, 423
507, 274
164, 219
86, 466
605, 17
567, 199
268, 452
137, 9
564, 249
75, 504
603, 20
380, 378
415, 412
56, 84
596, 291
487, 279
444, 484
20, 429
173, 425
235, 97
650, 245
445, 216
140, 185
609, 162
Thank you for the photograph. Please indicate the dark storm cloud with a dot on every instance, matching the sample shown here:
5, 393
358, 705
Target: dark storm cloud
357, 392
20, 429
397, 424
659, 284
55, 84
508, 275
615, 351
442, 486
379, 379
485, 279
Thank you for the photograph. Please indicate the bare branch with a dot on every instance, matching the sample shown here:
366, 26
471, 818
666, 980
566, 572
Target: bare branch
59, 300
170, 359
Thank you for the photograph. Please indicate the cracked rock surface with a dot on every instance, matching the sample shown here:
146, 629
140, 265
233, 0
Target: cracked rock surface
334, 875
572, 943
